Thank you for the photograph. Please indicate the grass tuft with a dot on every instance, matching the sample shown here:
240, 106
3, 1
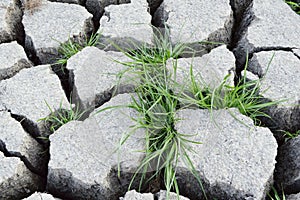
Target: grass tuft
70, 48
295, 6
274, 195
246, 96
157, 54
58, 118
164, 146
158, 97
288, 135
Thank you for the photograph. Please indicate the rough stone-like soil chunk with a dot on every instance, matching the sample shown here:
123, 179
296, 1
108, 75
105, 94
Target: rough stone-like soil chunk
209, 70
52, 23
235, 160
274, 24
279, 72
13, 59
195, 21
94, 73
27, 93
84, 155
127, 24
16, 180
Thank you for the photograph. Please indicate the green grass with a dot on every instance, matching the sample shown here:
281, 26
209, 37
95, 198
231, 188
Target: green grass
164, 146
70, 48
274, 195
295, 6
158, 97
288, 135
58, 118
246, 95
157, 107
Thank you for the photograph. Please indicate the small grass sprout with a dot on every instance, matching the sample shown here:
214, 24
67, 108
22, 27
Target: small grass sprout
70, 48
58, 118
288, 135
274, 195
295, 6
156, 54
246, 95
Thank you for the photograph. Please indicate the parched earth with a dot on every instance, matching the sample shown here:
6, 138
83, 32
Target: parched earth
236, 160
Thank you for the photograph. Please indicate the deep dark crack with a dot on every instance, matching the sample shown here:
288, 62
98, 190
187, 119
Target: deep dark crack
153, 6
66, 79
23, 158
276, 48
243, 16
15, 16
30, 127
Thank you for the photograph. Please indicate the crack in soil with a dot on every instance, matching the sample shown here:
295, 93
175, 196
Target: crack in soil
30, 127
23, 158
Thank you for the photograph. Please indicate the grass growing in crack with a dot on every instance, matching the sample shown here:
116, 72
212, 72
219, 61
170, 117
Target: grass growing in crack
295, 6
58, 118
245, 96
164, 146
157, 54
158, 98
70, 48
274, 195
157, 105
288, 135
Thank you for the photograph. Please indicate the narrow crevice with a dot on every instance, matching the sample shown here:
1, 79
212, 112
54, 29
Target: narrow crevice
119, 181
296, 54
30, 127
285, 168
23, 158
103, 98
14, 17
67, 1
276, 48
94, 7
160, 16
153, 5
106, 96
66, 81
13, 70
242, 18
30, 50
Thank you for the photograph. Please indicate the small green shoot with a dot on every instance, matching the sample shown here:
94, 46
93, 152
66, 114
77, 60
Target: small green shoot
274, 195
288, 135
70, 48
157, 54
61, 116
246, 95
295, 6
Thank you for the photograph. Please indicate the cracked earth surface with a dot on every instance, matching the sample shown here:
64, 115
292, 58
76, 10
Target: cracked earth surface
78, 161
